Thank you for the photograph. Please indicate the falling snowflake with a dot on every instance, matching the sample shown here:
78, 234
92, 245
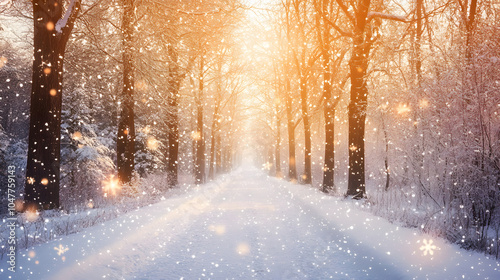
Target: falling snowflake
61, 249
428, 247
267, 166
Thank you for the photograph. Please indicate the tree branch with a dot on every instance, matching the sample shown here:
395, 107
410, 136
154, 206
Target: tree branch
372, 15
69, 16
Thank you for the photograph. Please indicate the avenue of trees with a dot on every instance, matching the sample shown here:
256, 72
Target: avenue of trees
392, 103
149, 87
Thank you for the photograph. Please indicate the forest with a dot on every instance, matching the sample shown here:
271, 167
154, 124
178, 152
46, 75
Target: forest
110, 104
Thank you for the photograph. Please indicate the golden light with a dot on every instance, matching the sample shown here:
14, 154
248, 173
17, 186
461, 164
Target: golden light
31, 213
243, 249
125, 131
31, 254
353, 148
77, 135
267, 166
403, 108
53, 92
47, 70
152, 143
3, 61
111, 186
196, 135
30, 180
218, 229
44, 181
19, 205
424, 103
90, 204
141, 85
50, 26
146, 129
37, 262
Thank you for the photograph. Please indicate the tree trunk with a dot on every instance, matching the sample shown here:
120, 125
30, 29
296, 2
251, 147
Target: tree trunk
200, 139
125, 143
277, 151
358, 104
292, 168
306, 177
173, 119
218, 155
43, 164
328, 109
215, 121
470, 30
418, 42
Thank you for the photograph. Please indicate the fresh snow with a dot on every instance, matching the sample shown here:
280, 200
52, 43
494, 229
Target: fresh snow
61, 23
247, 225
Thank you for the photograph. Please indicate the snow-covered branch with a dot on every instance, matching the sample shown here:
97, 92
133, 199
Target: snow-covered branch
61, 23
372, 15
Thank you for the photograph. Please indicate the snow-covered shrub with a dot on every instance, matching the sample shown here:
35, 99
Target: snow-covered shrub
86, 162
149, 155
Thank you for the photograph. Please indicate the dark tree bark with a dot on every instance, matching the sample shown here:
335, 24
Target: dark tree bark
470, 23
218, 155
199, 168
306, 177
277, 150
51, 34
329, 107
173, 118
215, 133
292, 167
125, 143
418, 41
358, 103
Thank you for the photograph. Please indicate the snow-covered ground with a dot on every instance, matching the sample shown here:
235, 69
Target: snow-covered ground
246, 225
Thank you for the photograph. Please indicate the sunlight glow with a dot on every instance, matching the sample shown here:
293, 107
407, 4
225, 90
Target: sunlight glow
218, 229
424, 103
111, 186
196, 135
152, 143
50, 26
243, 249
267, 166
3, 61
403, 108
31, 214
76, 135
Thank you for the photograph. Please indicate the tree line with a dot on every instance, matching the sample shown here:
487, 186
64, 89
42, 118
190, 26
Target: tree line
142, 82
397, 102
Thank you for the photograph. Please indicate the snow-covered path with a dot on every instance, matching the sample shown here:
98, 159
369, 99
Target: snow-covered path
249, 226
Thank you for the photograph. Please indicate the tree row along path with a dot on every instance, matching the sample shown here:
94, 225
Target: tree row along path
247, 225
